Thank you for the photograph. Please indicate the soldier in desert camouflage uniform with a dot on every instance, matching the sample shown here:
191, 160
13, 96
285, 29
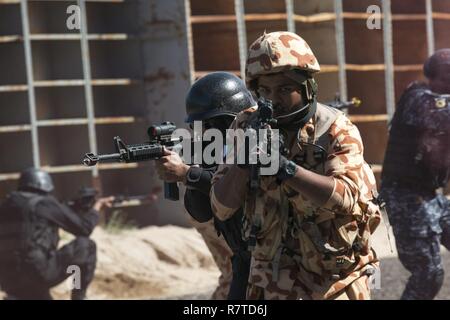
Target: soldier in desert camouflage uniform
221, 254
313, 220
416, 168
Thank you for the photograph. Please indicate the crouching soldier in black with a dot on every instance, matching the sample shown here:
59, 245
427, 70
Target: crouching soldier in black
30, 261
215, 100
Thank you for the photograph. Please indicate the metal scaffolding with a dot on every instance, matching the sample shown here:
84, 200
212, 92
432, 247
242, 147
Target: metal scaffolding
30, 38
30, 83
430, 27
340, 47
290, 15
388, 58
242, 35
88, 83
234, 16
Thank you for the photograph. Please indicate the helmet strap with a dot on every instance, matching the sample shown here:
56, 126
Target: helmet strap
308, 91
300, 121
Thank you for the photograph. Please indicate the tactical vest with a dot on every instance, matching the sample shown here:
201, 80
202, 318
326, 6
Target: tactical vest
311, 233
21, 231
402, 162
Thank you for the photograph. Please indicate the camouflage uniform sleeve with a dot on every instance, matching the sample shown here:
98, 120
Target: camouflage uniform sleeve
229, 187
221, 254
353, 178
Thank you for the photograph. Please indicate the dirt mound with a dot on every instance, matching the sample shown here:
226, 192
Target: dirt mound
151, 263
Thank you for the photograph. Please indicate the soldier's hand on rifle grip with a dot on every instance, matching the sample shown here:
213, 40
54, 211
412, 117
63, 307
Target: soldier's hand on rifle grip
171, 168
101, 203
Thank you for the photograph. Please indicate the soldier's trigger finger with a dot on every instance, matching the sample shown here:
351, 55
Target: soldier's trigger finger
166, 152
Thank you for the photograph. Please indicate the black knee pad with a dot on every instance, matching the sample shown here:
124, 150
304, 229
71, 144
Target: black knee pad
85, 251
85, 245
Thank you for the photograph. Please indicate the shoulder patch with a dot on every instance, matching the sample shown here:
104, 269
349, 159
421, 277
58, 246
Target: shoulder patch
441, 103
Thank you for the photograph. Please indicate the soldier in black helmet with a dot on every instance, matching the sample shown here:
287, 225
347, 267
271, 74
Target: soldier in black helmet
214, 100
30, 261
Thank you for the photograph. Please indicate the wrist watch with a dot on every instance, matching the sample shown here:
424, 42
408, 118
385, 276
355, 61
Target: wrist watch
287, 171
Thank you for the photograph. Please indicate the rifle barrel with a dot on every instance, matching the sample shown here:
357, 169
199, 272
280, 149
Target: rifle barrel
91, 159
109, 157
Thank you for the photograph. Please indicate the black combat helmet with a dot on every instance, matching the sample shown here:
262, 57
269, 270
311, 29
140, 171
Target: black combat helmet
35, 179
217, 94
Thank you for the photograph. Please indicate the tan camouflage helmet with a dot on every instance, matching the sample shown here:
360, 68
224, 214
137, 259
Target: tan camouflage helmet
279, 51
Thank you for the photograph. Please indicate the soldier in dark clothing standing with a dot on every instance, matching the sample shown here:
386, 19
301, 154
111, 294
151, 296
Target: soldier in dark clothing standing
415, 171
30, 261
214, 100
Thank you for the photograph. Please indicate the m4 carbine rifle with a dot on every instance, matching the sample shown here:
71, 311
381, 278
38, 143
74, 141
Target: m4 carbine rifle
87, 196
160, 139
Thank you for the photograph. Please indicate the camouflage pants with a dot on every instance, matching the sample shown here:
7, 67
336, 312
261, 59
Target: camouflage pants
422, 258
420, 224
221, 253
357, 290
